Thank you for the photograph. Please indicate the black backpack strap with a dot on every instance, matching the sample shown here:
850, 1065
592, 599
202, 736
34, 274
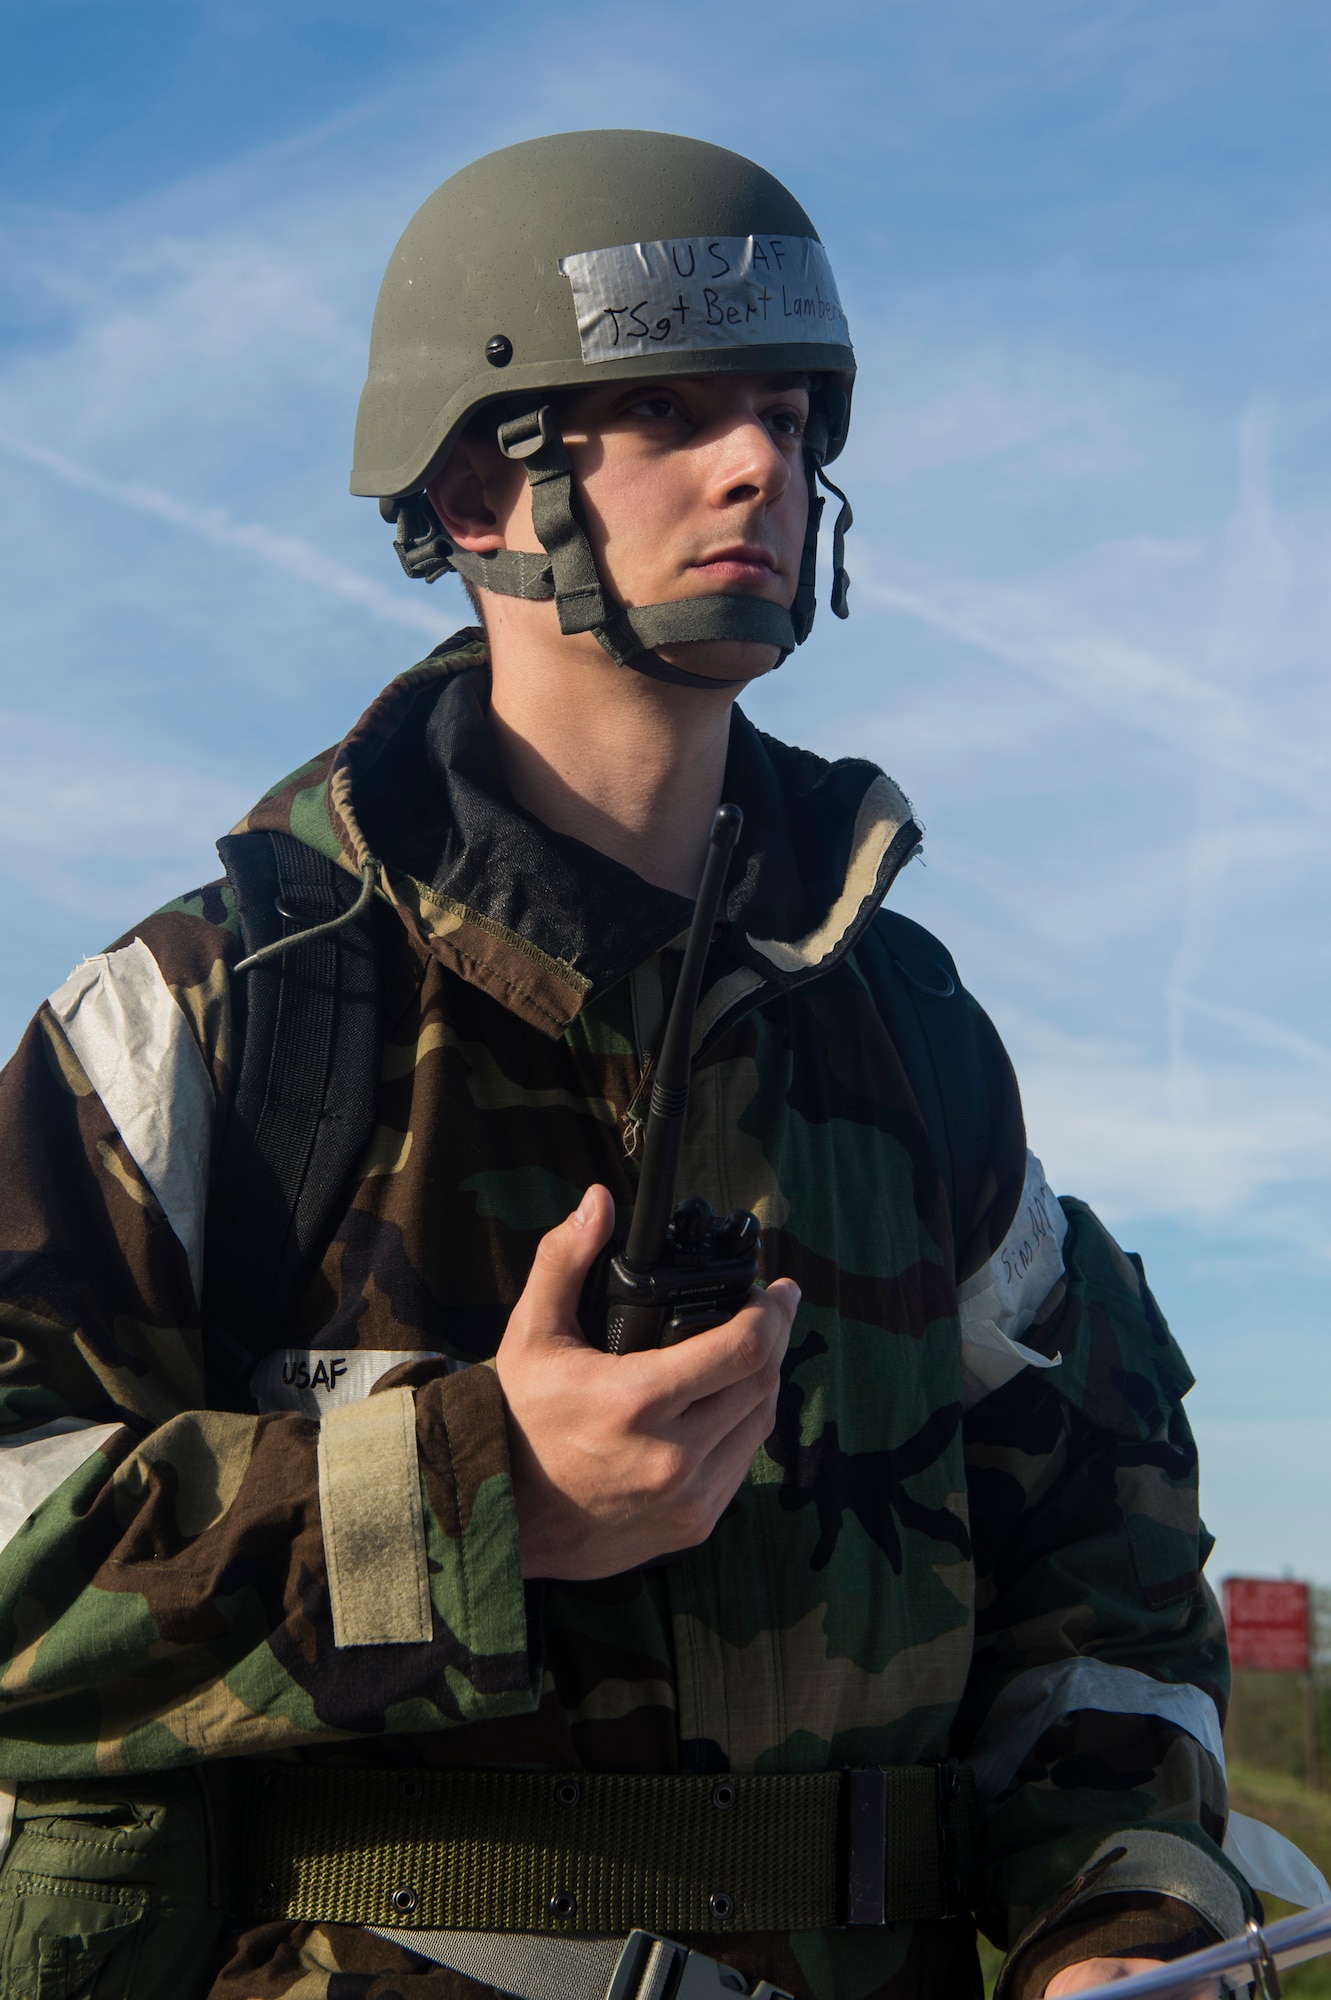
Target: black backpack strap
919, 996
307, 1028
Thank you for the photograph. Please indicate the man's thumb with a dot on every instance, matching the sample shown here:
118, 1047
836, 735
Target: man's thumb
564, 1256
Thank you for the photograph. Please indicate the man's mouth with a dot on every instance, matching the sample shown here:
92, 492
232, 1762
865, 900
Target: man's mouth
742, 562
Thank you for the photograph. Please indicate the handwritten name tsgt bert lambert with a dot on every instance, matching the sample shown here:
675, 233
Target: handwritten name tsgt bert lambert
697, 292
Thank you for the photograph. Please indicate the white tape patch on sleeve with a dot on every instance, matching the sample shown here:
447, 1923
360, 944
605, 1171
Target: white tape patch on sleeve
691, 294
140, 1056
34, 1463
998, 1305
315, 1380
1035, 1700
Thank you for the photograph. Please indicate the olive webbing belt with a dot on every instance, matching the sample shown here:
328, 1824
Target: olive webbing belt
605, 1854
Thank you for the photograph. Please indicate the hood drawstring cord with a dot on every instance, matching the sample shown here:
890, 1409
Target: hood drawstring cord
369, 880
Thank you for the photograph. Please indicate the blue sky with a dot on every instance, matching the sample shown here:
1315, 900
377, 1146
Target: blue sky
1084, 247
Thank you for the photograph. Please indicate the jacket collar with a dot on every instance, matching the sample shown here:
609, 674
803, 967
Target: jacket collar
544, 923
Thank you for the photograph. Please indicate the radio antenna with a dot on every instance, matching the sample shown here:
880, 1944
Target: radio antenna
670, 1086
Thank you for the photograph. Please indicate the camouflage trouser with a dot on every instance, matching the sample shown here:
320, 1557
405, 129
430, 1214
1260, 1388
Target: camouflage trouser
113, 1890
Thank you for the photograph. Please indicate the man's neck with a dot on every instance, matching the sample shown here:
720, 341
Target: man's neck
630, 766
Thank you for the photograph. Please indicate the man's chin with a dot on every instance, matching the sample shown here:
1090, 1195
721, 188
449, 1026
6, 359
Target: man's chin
722, 660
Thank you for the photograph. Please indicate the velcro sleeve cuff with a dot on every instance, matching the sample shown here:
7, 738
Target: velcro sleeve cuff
1140, 1869
1108, 1927
471, 1540
374, 1531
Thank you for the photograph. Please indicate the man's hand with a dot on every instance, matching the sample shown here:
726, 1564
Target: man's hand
1100, 1971
619, 1459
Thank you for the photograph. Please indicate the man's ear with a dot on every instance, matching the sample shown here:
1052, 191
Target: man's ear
459, 497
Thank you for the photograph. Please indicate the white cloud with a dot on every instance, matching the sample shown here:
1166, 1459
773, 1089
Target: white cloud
937, 399
302, 561
111, 815
1266, 1489
1205, 1150
1135, 687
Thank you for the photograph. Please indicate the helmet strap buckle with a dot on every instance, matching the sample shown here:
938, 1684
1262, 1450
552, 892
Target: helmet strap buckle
522, 437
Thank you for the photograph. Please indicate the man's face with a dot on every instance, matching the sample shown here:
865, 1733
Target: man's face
691, 486
694, 484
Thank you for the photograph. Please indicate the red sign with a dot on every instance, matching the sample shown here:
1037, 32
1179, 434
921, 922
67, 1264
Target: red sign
1268, 1624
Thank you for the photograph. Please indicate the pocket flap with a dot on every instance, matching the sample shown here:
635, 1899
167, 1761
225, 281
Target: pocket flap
62, 1933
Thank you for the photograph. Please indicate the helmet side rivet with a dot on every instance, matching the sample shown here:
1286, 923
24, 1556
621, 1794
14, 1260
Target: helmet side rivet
499, 350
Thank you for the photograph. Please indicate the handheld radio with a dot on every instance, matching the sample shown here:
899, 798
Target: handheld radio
683, 1268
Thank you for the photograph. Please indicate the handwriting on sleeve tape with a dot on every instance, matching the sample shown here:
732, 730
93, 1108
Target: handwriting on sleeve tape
694, 293
315, 1380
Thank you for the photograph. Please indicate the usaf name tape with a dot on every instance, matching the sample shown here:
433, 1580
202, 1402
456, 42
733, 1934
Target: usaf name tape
315, 1380
691, 293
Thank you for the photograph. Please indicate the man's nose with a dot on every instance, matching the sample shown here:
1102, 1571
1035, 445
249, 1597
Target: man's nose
749, 463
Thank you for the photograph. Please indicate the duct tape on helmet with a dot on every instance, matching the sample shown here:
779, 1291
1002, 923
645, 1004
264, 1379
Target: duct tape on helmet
703, 295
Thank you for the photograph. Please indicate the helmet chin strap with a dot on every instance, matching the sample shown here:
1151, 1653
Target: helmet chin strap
568, 574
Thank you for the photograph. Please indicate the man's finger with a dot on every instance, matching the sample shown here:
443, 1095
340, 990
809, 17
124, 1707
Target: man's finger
707, 1363
705, 1426
726, 1465
548, 1308
721, 1472
706, 1423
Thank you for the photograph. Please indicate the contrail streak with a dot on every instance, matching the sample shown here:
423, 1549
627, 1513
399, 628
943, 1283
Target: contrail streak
1135, 688
288, 554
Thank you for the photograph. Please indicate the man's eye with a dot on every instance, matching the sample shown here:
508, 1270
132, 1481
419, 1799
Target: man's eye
788, 423
654, 407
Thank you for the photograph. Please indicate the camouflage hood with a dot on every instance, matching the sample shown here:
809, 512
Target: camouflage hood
544, 923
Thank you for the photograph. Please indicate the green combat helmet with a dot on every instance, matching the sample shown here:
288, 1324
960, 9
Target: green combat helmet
582, 258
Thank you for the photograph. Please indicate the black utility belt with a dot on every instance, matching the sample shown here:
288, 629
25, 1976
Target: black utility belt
603, 1855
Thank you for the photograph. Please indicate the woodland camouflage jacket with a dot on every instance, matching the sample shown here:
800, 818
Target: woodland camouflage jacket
940, 1550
